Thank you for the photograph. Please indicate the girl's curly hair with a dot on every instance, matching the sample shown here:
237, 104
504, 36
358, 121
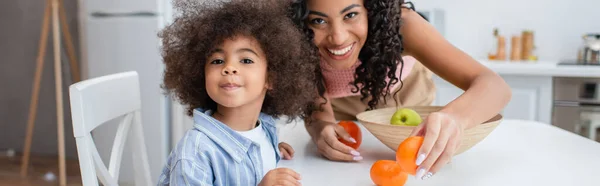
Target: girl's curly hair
381, 54
198, 27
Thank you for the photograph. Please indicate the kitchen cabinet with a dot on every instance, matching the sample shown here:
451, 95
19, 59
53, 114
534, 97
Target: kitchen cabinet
531, 96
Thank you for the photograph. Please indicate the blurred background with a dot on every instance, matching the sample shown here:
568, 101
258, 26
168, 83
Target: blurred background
545, 50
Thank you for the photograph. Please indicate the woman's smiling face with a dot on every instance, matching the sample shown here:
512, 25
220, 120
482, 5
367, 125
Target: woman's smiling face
340, 30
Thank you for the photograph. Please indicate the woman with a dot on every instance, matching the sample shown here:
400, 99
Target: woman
378, 53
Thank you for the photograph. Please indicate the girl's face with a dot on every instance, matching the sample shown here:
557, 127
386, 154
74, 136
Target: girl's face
340, 28
236, 72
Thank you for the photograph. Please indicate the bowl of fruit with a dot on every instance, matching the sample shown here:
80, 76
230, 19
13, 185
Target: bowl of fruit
393, 125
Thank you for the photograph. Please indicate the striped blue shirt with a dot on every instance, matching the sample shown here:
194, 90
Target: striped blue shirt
213, 154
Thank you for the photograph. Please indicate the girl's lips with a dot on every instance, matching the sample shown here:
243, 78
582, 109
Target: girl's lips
229, 86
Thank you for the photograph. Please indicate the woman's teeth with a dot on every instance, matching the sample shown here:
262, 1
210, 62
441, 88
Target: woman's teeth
340, 52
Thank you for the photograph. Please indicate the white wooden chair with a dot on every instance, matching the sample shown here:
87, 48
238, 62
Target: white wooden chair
93, 103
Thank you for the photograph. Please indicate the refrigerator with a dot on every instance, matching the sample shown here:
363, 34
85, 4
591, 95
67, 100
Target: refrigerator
117, 36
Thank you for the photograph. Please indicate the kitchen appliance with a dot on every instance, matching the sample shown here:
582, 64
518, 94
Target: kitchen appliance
589, 52
591, 48
118, 36
575, 99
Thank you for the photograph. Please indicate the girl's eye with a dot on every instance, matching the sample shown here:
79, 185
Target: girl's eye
217, 61
317, 21
247, 61
350, 15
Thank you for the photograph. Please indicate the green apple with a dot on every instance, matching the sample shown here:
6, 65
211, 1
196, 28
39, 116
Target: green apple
406, 117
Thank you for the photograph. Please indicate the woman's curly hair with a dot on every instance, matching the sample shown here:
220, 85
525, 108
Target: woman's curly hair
201, 26
381, 54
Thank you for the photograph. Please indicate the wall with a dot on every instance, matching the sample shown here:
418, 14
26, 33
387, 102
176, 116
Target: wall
19, 36
558, 25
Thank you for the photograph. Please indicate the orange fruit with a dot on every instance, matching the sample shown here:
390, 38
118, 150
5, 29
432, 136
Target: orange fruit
387, 173
354, 131
406, 154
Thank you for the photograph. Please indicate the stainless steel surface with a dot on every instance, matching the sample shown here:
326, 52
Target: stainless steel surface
571, 98
580, 90
592, 41
591, 56
591, 49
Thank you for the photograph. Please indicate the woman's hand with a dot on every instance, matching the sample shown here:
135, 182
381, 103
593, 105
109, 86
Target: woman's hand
326, 134
443, 133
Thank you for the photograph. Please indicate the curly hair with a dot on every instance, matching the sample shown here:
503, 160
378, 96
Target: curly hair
381, 54
201, 26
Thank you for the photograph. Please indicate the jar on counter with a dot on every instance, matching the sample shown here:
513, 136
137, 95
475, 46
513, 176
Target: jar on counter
515, 48
498, 49
493, 53
527, 45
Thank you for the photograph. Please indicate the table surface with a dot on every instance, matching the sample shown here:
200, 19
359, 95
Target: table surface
516, 153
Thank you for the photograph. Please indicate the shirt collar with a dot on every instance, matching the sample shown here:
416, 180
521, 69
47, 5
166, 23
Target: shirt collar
232, 142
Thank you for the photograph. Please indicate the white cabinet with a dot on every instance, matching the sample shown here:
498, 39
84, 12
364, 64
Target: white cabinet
531, 97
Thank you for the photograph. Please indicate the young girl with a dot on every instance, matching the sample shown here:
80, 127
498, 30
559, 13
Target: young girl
377, 54
237, 65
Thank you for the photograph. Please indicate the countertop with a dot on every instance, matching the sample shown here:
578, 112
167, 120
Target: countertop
517, 152
542, 68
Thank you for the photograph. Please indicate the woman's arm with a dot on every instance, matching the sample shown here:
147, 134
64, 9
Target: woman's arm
325, 133
319, 118
486, 93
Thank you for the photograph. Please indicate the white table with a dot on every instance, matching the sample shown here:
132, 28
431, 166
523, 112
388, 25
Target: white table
515, 153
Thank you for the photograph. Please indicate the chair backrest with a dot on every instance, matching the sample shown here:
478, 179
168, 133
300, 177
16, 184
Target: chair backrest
93, 103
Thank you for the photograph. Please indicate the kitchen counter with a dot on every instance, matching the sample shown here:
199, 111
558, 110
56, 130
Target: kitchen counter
532, 85
542, 68
517, 152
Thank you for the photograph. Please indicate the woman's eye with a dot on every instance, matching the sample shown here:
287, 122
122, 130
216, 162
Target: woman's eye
247, 61
350, 15
217, 61
317, 21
